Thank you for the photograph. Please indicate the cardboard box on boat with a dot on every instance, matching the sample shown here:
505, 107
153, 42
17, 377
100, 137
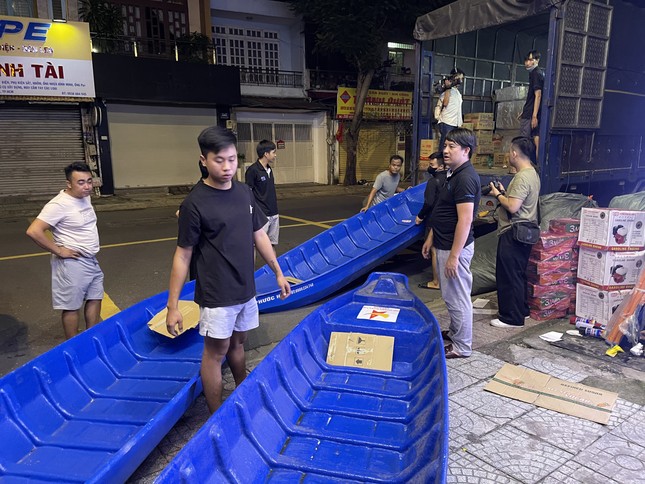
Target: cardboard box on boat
361, 350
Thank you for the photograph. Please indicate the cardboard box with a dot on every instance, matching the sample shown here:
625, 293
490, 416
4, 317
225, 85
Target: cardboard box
553, 242
547, 314
609, 270
467, 126
556, 253
611, 229
552, 278
501, 159
592, 303
546, 266
483, 136
545, 391
479, 116
360, 350
485, 124
538, 290
486, 147
564, 225
483, 159
555, 302
427, 147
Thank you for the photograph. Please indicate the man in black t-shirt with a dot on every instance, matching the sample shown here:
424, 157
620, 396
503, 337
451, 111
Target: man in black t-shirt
219, 223
453, 237
530, 116
259, 176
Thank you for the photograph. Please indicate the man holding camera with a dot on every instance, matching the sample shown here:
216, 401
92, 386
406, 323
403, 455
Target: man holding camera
448, 110
519, 204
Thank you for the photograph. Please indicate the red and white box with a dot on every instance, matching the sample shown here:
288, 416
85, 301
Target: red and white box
612, 229
592, 303
609, 270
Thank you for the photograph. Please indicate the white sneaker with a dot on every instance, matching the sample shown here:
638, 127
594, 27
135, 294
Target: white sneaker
501, 324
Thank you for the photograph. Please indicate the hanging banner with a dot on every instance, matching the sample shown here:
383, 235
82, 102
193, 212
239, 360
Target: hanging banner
386, 105
42, 58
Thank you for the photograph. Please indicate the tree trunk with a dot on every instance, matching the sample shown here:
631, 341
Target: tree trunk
362, 86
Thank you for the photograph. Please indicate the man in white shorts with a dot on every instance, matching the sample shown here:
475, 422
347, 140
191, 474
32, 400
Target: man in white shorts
76, 275
219, 222
259, 176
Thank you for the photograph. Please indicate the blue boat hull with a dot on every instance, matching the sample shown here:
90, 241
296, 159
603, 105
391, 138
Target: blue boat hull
94, 407
297, 418
339, 255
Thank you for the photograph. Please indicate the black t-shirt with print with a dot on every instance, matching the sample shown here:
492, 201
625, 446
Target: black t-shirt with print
219, 225
262, 183
462, 186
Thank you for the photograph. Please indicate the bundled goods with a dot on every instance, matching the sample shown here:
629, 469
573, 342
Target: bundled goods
480, 121
610, 261
551, 271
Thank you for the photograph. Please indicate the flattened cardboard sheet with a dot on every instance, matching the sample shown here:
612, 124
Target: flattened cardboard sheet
361, 350
188, 309
548, 392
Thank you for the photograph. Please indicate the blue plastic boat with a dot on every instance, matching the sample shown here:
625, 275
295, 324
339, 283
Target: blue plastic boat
337, 256
297, 418
94, 407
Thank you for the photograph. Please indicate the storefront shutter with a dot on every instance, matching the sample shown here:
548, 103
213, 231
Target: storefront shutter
377, 142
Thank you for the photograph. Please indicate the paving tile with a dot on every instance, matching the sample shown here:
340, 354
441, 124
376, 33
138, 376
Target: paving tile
564, 431
519, 454
555, 369
466, 427
633, 428
478, 365
458, 380
496, 408
615, 458
464, 467
622, 411
151, 467
574, 473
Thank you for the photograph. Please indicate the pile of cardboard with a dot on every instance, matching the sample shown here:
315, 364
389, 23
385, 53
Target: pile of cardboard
551, 271
611, 258
482, 124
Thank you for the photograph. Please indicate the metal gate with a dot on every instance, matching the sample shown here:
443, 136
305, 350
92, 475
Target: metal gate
36, 143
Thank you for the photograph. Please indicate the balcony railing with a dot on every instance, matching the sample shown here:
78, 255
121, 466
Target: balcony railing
387, 79
176, 50
270, 77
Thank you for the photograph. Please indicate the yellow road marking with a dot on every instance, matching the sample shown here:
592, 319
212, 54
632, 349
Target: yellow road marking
306, 222
108, 308
302, 223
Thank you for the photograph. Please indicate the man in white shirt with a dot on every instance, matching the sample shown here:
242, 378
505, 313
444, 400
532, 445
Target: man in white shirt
76, 275
450, 116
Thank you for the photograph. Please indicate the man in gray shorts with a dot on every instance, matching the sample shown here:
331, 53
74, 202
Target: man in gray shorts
76, 275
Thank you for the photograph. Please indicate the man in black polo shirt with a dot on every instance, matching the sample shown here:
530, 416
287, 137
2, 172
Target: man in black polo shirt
453, 238
259, 176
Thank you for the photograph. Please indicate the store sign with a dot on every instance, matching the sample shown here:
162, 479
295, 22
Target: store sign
42, 58
385, 105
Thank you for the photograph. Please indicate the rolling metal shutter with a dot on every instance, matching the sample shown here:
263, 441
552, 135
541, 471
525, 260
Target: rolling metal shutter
36, 143
376, 143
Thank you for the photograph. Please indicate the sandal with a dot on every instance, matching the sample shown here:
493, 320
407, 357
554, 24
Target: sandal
424, 285
451, 354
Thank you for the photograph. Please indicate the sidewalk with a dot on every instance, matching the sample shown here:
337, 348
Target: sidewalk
30, 206
497, 439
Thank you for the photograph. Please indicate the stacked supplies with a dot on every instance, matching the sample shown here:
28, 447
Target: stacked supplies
551, 271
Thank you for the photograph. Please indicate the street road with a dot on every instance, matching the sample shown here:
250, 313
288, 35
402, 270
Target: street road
136, 253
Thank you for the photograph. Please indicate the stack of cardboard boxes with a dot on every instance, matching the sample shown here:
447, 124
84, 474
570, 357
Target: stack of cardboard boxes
482, 124
611, 258
551, 271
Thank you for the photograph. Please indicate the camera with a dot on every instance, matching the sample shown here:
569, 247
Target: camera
446, 82
486, 189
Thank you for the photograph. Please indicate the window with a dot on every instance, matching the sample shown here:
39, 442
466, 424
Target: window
17, 8
245, 47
